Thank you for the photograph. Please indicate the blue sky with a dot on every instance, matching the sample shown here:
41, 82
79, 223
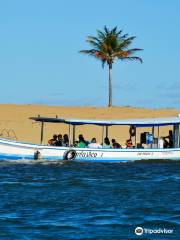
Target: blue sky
40, 63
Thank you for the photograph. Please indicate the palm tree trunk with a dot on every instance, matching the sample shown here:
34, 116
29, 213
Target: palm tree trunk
110, 85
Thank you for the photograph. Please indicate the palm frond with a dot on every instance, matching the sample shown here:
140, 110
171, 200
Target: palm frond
94, 43
114, 31
106, 30
124, 43
119, 33
120, 54
103, 63
97, 54
111, 44
101, 35
133, 59
87, 51
133, 50
137, 59
93, 38
90, 52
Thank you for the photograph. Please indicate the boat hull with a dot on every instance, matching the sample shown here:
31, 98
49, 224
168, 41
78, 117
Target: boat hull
13, 150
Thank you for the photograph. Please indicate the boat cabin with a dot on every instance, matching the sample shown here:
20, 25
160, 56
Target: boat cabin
147, 138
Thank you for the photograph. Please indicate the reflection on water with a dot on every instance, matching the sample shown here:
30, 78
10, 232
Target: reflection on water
53, 200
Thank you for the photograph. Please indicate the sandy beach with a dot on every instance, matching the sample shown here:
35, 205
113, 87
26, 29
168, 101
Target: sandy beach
15, 119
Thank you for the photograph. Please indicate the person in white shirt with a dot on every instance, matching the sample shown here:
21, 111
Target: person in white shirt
161, 143
94, 144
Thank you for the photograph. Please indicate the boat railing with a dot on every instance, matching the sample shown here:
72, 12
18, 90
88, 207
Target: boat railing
8, 134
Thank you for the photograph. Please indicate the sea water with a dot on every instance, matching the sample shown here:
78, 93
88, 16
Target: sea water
89, 201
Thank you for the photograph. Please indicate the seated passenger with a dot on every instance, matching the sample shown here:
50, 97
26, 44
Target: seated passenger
161, 142
52, 141
59, 141
82, 142
129, 143
76, 143
94, 144
166, 143
106, 143
115, 144
65, 140
139, 145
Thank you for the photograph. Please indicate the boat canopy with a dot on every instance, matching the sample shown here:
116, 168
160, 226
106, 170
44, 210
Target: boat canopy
146, 122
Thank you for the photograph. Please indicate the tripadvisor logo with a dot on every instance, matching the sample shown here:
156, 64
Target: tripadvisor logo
139, 231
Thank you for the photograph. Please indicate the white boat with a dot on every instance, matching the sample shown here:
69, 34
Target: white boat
16, 150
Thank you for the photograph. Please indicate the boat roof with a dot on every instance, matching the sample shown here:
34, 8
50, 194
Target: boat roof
146, 122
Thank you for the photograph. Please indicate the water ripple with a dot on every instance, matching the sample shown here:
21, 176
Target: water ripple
87, 201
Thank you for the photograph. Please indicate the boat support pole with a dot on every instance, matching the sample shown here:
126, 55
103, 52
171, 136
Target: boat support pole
178, 137
106, 131
69, 135
74, 134
103, 136
42, 132
152, 136
158, 136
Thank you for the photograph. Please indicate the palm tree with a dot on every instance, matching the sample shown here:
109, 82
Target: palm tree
108, 46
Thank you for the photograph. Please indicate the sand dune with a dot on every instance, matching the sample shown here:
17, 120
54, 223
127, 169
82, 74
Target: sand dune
15, 118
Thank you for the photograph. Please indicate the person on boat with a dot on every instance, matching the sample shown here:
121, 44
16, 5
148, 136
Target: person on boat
81, 142
165, 143
113, 141
65, 140
161, 142
94, 144
59, 141
115, 144
52, 141
106, 143
129, 143
76, 143
139, 145
132, 131
170, 139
